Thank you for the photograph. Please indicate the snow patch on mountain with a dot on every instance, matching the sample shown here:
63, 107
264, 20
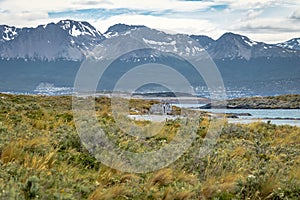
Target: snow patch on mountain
293, 44
152, 42
75, 32
250, 42
121, 29
9, 33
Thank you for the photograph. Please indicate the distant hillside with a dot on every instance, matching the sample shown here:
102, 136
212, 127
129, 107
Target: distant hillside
268, 102
283, 101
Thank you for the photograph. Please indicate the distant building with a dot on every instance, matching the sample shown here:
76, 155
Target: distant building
161, 109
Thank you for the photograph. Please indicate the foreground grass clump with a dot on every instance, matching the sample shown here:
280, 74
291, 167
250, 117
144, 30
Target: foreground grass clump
41, 157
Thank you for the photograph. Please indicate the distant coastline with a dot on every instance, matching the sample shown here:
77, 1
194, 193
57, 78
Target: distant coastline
291, 101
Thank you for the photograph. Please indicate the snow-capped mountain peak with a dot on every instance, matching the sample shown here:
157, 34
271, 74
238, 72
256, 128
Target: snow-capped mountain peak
236, 38
67, 39
291, 44
234, 46
203, 40
8, 32
121, 29
78, 28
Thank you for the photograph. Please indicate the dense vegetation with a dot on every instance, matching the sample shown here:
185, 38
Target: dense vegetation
41, 157
290, 101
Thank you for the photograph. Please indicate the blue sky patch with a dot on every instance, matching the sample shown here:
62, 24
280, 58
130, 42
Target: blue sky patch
219, 7
101, 13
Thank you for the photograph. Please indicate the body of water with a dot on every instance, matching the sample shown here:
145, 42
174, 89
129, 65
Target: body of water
260, 113
274, 121
274, 116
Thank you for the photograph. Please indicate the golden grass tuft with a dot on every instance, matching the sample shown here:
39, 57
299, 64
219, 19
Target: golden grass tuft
295, 170
213, 185
12, 152
167, 132
238, 152
168, 194
107, 176
113, 192
269, 186
36, 142
187, 178
40, 162
162, 177
129, 178
183, 195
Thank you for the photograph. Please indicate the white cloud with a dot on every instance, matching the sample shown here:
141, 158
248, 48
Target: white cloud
296, 14
253, 4
35, 5
251, 14
169, 25
269, 25
59, 5
21, 19
268, 29
271, 38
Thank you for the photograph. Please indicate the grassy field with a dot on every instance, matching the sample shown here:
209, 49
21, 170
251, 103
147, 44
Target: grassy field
41, 157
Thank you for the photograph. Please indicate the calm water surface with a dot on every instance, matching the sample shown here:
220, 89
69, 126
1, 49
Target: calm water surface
263, 115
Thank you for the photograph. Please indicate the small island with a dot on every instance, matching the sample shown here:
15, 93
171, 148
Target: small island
291, 101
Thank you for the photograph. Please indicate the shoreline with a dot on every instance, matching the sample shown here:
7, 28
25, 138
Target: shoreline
289, 101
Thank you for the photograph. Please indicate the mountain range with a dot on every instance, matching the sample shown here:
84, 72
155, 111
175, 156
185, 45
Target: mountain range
66, 39
52, 53
71, 40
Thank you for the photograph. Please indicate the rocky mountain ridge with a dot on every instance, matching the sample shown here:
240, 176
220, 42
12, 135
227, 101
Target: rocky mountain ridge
73, 40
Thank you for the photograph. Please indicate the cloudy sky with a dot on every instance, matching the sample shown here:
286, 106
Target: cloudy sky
262, 20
